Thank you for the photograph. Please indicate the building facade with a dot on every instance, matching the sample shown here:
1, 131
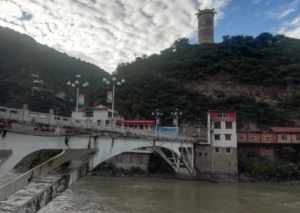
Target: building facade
275, 135
219, 155
99, 114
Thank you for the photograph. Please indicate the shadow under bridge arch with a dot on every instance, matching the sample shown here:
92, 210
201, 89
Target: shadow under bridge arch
177, 154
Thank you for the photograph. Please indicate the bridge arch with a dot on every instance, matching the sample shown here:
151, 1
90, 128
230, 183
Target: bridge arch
109, 148
22, 145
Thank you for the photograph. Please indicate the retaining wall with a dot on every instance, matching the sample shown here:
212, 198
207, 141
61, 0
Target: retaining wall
40, 192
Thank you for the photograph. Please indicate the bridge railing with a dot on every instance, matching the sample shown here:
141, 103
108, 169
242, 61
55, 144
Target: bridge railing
23, 180
24, 115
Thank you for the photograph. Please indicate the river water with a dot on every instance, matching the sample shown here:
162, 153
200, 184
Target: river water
154, 195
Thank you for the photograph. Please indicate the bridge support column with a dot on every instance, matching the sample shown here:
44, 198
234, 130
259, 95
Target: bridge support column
182, 164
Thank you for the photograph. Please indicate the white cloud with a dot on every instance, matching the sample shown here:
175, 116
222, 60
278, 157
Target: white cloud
105, 32
291, 29
285, 13
284, 10
257, 1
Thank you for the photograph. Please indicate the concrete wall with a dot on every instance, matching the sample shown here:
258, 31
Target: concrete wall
224, 160
206, 26
4, 155
215, 160
129, 160
203, 158
40, 192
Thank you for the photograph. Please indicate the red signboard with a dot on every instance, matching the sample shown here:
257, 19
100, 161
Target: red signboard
223, 116
136, 122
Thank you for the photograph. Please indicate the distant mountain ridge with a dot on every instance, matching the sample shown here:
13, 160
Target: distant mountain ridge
20, 56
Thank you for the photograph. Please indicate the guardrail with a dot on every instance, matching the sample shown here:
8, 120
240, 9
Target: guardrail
22, 115
21, 181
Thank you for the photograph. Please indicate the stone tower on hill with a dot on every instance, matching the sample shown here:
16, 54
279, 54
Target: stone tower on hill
206, 26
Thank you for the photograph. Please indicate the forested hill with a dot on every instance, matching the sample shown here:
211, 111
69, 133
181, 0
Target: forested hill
258, 77
20, 56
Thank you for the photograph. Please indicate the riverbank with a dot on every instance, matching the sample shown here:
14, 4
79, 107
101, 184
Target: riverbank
284, 168
110, 170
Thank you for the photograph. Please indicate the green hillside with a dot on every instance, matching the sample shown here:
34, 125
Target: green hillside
257, 77
20, 56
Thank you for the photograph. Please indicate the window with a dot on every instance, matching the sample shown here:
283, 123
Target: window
284, 137
217, 149
228, 150
200, 154
228, 137
205, 154
298, 137
228, 125
217, 137
217, 125
89, 114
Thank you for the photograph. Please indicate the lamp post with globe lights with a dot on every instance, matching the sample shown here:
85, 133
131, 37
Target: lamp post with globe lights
157, 114
114, 82
176, 117
77, 84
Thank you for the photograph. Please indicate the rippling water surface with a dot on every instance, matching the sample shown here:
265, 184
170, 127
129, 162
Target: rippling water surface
149, 195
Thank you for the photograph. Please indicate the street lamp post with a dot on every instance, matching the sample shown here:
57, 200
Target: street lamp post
157, 115
77, 84
176, 116
114, 82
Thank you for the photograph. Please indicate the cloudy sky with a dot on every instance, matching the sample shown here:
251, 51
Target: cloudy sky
109, 32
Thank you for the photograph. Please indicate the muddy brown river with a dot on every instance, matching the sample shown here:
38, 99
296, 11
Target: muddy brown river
156, 195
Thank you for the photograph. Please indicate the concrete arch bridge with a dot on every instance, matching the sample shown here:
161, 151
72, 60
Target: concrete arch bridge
105, 147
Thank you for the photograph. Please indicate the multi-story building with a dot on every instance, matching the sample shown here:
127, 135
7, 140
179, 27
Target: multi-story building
219, 155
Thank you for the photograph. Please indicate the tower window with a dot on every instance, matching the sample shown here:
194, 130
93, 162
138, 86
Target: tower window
217, 137
228, 137
228, 125
217, 125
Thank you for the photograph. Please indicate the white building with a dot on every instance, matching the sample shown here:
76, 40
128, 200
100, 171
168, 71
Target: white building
99, 114
219, 155
222, 129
